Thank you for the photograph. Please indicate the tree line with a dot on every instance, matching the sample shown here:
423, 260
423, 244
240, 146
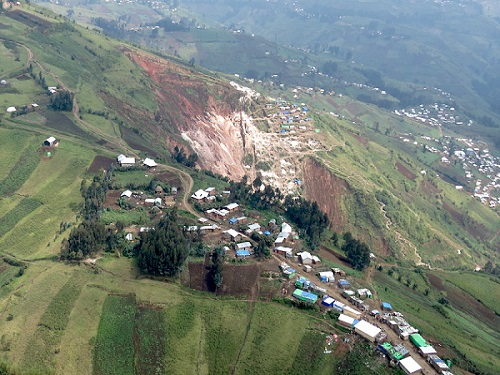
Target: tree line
163, 251
90, 236
180, 156
356, 251
306, 215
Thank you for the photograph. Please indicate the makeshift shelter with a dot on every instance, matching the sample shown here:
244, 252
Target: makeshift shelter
346, 321
49, 142
326, 276
302, 282
305, 296
436, 362
126, 193
305, 257
344, 284
352, 312
367, 330
339, 306
199, 195
327, 301
418, 340
410, 366
150, 163
244, 246
426, 351
242, 253
386, 306
125, 161
286, 251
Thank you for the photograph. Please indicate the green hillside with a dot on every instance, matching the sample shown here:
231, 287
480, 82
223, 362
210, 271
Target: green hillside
102, 316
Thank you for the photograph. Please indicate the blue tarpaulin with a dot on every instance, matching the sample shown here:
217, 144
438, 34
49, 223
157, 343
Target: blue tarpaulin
242, 253
386, 306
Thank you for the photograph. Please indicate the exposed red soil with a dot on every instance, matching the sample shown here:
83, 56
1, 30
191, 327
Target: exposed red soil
465, 302
197, 110
100, 162
237, 280
328, 190
405, 171
186, 93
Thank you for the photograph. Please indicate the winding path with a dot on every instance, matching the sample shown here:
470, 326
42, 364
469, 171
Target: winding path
114, 143
400, 238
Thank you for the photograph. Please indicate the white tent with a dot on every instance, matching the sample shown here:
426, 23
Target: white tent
126, 193
149, 163
199, 195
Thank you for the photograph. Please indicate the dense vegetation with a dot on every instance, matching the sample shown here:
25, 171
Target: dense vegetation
87, 239
303, 213
357, 252
164, 250
215, 272
62, 101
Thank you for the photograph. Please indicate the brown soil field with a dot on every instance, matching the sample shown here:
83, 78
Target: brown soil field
237, 280
326, 254
405, 171
428, 188
361, 139
465, 302
172, 179
111, 199
100, 162
454, 213
29, 19
23, 77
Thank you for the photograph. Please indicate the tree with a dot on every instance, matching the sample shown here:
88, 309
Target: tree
357, 252
262, 248
87, 239
163, 251
62, 101
214, 276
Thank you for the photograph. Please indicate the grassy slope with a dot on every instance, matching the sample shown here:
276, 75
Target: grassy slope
55, 183
467, 334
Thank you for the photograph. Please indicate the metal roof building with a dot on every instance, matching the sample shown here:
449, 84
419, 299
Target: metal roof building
367, 330
410, 366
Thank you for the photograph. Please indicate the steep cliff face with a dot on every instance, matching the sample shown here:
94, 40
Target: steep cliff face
327, 189
334, 195
201, 111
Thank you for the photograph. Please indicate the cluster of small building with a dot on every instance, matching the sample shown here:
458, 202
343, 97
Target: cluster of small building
126, 161
436, 114
474, 161
352, 318
289, 116
400, 354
